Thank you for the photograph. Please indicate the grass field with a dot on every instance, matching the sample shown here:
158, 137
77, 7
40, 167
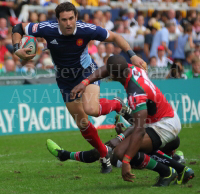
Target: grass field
27, 167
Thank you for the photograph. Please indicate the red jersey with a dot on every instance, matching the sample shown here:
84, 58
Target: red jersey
143, 94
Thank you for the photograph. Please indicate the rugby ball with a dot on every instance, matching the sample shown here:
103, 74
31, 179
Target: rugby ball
29, 42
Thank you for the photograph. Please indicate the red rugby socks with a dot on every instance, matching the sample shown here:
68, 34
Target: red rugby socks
106, 106
91, 135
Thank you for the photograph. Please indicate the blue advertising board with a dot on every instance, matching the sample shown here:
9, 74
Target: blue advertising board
39, 108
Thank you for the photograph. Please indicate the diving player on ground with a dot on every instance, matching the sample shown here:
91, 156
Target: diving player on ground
152, 160
155, 122
67, 41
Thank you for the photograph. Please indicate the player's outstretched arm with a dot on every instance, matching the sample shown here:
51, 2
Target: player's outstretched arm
135, 141
97, 75
123, 44
127, 132
17, 33
116, 141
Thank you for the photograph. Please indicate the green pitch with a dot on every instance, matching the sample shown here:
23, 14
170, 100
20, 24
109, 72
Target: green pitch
26, 166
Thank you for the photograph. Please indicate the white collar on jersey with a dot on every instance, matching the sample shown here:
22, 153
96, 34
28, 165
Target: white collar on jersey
61, 32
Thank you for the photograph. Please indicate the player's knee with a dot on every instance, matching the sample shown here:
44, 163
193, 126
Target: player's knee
81, 122
92, 111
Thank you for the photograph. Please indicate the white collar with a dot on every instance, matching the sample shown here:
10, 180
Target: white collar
75, 31
61, 32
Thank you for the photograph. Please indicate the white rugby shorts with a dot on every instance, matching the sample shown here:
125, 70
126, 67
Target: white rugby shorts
167, 128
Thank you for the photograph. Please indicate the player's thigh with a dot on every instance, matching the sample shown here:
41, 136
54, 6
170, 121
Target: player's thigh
76, 110
171, 146
146, 146
90, 99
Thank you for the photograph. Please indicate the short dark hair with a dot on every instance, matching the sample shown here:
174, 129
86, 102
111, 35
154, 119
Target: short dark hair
66, 6
116, 64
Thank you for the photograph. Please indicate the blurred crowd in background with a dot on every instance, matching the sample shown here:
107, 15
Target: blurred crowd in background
166, 39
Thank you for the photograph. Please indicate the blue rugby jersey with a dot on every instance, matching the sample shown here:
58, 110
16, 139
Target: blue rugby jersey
68, 51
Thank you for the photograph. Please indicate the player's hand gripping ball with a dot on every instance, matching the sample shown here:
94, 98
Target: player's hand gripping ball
29, 42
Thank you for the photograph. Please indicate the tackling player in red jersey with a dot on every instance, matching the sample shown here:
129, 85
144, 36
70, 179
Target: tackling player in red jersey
141, 90
155, 122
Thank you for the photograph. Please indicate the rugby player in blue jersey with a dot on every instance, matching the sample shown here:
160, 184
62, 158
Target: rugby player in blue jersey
67, 41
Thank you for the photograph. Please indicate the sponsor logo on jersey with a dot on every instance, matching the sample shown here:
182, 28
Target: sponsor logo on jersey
35, 28
136, 73
79, 42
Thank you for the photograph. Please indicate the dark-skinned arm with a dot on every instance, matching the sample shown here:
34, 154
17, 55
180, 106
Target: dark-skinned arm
128, 131
134, 143
97, 75
116, 141
137, 133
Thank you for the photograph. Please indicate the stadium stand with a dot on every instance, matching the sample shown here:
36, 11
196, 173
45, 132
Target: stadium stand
161, 32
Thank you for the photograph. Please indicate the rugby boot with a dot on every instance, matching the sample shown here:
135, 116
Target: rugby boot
165, 181
106, 166
54, 149
185, 176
